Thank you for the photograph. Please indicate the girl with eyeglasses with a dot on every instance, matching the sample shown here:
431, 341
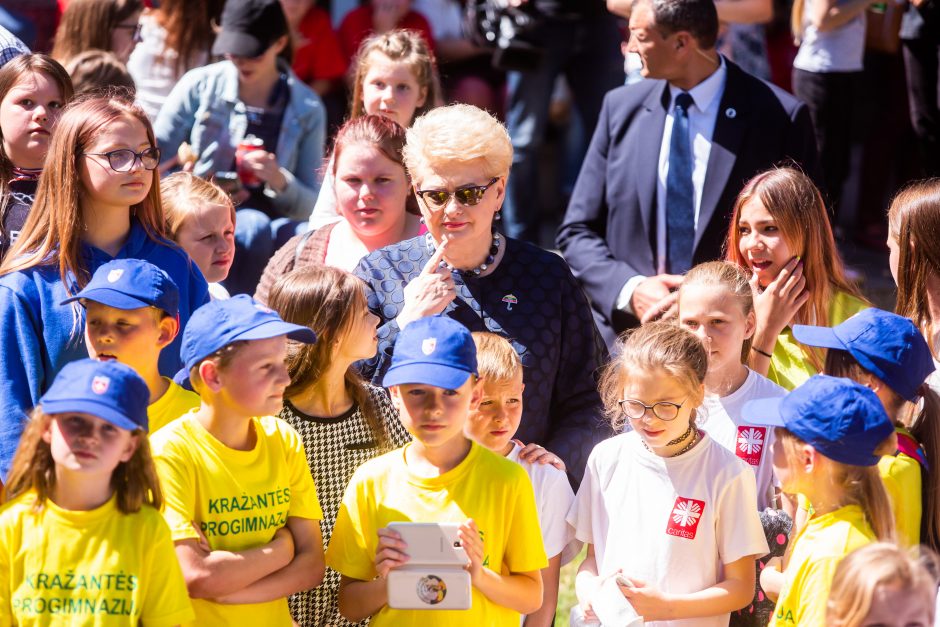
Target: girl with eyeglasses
459, 158
111, 25
668, 514
98, 199
373, 195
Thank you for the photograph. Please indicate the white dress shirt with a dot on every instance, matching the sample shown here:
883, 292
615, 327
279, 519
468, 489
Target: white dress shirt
702, 117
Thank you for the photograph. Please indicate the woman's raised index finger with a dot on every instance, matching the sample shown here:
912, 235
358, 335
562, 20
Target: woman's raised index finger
434, 262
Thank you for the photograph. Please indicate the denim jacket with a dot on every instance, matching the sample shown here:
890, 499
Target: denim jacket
204, 110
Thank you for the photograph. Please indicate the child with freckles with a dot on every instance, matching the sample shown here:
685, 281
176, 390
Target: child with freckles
493, 425
441, 476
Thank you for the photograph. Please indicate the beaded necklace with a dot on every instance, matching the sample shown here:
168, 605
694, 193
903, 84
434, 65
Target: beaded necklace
494, 250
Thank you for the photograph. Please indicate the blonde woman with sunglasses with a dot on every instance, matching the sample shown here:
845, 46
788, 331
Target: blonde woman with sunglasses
459, 158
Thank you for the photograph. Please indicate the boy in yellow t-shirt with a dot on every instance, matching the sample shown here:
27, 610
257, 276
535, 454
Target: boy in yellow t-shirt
240, 501
439, 477
132, 313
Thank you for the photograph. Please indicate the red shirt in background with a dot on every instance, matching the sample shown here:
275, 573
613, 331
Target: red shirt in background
357, 25
319, 55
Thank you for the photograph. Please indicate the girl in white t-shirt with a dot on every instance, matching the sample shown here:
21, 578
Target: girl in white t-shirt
665, 508
717, 305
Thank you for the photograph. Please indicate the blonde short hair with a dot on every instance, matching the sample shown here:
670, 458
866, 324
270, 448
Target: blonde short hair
497, 360
457, 134
879, 564
184, 193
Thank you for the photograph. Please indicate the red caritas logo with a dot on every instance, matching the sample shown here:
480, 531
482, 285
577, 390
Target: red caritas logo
683, 520
750, 444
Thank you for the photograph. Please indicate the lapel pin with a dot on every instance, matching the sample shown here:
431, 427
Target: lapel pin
730, 113
510, 300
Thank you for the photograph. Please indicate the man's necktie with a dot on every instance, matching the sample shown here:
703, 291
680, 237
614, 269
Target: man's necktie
680, 194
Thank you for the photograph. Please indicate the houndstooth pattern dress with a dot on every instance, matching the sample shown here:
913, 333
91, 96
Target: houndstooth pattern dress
335, 447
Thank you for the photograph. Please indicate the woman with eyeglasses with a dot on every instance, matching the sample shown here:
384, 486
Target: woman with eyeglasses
251, 123
98, 199
459, 158
373, 196
112, 25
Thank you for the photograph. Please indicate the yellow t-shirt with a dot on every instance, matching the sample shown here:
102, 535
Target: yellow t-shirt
901, 476
238, 498
492, 490
817, 551
789, 366
175, 402
98, 567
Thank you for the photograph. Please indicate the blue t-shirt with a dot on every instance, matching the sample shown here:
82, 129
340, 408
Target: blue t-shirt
39, 336
532, 299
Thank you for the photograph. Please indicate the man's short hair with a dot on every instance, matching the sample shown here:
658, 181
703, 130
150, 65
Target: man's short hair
697, 17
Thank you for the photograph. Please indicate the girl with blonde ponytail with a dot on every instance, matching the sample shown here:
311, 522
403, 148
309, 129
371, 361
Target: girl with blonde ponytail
887, 353
830, 435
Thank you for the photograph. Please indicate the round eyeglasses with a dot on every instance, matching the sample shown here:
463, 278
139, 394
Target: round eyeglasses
467, 195
664, 410
123, 159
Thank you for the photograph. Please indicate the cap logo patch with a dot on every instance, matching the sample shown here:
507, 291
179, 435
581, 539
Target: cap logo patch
100, 384
428, 345
114, 275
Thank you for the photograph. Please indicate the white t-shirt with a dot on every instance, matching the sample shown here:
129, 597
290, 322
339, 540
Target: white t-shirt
671, 522
325, 211
840, 49
553, 497
721, 419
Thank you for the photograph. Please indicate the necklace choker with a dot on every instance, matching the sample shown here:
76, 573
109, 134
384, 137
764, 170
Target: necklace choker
494, 250
692, 430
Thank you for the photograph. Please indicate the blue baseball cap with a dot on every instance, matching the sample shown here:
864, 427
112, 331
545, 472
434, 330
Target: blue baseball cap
434, 351
218, 323
131, 284
885, 344
109, 390
842, 419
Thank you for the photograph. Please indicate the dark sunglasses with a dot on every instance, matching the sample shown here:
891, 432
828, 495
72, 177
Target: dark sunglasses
468, 195
123, 159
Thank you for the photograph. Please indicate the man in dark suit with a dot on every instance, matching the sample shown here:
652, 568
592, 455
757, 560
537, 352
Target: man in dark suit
667, 160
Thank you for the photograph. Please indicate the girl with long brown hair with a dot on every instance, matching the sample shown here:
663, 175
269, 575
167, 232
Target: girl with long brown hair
81, 527
913, 231
98, 199
174, 38
830, 434
780, 232
33, 90
342, 420
100, 25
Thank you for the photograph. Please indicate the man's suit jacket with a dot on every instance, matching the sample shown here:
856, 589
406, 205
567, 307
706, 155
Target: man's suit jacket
609, 231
